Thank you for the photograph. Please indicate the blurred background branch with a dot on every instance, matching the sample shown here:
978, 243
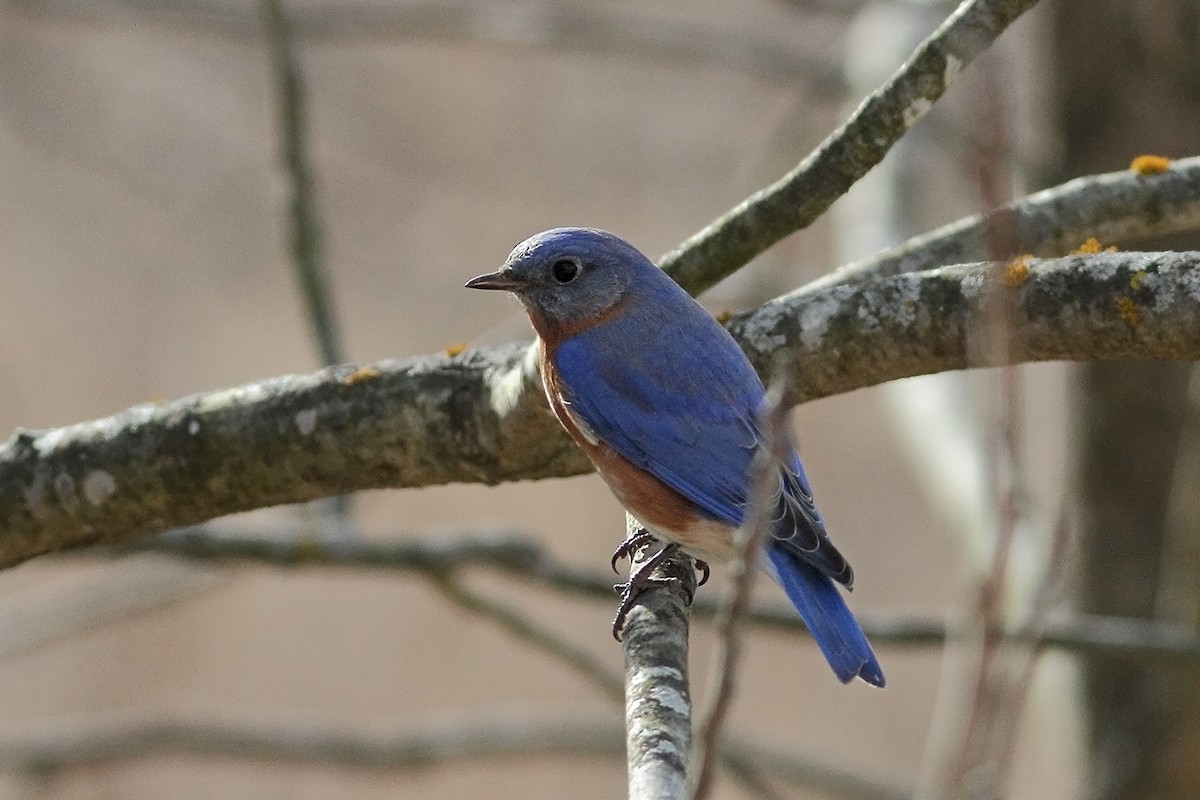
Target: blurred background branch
577, 28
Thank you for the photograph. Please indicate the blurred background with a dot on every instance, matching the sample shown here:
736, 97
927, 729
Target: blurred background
144, 255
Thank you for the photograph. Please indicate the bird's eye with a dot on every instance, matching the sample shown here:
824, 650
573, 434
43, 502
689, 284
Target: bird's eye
564, 270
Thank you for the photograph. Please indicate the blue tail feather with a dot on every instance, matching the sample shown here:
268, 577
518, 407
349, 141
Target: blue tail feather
827, 616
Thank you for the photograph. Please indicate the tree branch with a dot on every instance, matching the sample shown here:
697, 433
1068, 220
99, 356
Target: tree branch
658, 705
553, 27
1103, 306
49, 747
468, 418
522, 558
797, 199
304, 230
1114, 208
97, 741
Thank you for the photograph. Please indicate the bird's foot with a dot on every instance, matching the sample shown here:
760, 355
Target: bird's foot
627, 548
630, 546
642, 579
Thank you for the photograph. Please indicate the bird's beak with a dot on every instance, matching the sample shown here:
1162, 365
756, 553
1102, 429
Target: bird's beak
501, 279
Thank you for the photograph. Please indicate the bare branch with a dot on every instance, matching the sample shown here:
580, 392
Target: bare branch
52, 746
304, 230
96, 741
524, 629
524, 559
658, 706
446, 419
1114, 208
1104, 306
61, 607
572, 29
797, 199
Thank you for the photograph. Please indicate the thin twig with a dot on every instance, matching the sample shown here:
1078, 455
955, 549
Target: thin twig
522, 558
65, 744
61, 607
304, 230
797, 199
748, 544
47, 747
520, 626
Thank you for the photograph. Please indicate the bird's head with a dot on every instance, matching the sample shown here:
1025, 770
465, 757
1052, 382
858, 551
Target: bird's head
568, 278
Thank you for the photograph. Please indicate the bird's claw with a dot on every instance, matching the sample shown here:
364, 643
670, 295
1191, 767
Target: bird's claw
627, 548
702, 568
642, 579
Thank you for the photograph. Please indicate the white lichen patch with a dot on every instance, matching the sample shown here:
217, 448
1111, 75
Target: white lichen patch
671, 699
817, 314
915, 110
974, 284
98, 486
508, 385
1189, 281
760, 327
193, 427
656, 674
48, 442
666, 747
908, 300
306, 421
237, 396
1169, 288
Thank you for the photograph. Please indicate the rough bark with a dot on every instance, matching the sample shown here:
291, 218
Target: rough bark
472, 417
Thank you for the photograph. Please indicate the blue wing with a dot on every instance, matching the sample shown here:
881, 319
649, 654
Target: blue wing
687, 422
685, 413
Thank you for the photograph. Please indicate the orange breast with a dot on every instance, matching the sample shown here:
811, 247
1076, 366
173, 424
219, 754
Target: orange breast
663, 510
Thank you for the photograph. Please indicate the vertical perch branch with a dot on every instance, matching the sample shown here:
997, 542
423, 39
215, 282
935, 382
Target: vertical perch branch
658, 706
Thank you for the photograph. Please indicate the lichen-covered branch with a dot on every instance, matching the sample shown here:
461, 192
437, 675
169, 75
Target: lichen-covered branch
1101, 306
424, 421
798, 198
658, 706
1114, 208
470, 418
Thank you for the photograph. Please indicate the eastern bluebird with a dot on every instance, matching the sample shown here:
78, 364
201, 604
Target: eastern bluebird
663, 401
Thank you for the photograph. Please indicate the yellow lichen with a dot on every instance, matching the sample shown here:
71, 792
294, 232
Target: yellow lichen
724, 316
1135, 282
1150, 165
361, 374
1016, 272
455, 349
1128, 311
1092, 245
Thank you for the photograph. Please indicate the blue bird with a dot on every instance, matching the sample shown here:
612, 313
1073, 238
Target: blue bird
664, 403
